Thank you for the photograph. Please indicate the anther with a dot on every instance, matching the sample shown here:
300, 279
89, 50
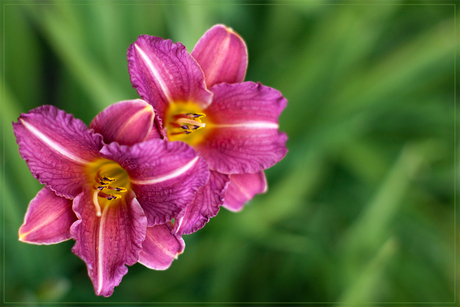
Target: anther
195, 115
103, 183
118, 189
191, 122
104, 180
109, 196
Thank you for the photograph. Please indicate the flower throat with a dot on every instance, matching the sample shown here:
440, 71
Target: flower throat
186, 122
109, 181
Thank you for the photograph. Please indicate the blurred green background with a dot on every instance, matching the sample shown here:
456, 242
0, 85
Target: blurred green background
360, 210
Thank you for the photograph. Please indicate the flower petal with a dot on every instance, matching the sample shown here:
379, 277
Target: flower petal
126, 122
242, 188
243, 136
163, 72
164, 175
154, 132
222, 55
48, 219
160, 247
204, 206
56, 147
108, 242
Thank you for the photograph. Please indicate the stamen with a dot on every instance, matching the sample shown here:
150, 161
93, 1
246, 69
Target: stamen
109, 196
195, 115
191, 122
104, 180
187, 122
103, 183
118, 189
113, 196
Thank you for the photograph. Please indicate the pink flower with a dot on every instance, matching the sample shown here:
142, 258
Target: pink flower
111, 188
201, 99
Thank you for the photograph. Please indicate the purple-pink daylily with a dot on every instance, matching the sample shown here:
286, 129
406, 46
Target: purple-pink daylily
201, 99
113, 188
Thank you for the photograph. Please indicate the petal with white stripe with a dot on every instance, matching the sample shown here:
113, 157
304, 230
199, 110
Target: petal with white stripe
126, 122
243, 135
109, 242
163, 72
56, 147
160, 247
164, 175
222, 55
48, 219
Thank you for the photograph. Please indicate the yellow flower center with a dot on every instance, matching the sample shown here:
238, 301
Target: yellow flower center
109, 181
186, 122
